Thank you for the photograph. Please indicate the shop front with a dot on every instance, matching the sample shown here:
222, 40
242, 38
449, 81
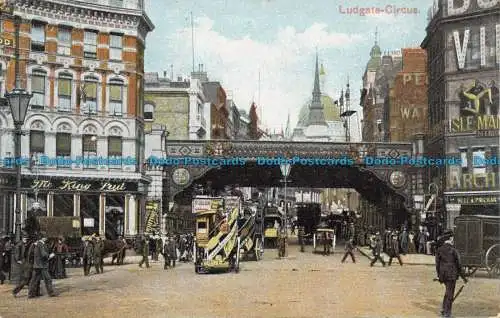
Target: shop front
6, 202
109, 207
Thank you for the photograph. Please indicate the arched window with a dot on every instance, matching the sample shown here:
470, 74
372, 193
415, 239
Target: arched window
38, 88
149, 110
116, 97
89, 95
64, 92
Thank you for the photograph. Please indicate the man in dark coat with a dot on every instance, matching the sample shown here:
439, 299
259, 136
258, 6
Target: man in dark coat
98, 249
172, 252
394, 249
145, 252
377, 250
41, 268
20, 257
349, 248
61, 251
88, 254
448, 269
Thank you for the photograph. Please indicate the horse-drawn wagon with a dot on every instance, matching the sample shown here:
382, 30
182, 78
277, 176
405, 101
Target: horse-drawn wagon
477, 239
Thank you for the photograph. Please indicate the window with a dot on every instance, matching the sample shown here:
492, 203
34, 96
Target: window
115, 148
478, 161
149, 110
64, 92
64, 41
115, 47
89, 148
90, 45
463, 160
38, 89
89, 95
63, 147
116, 97
37, 142
38, 37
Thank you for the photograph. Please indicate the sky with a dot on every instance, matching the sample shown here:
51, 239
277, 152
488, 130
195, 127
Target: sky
236, 40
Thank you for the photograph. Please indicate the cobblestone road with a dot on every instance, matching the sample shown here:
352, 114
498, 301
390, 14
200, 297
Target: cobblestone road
304, 285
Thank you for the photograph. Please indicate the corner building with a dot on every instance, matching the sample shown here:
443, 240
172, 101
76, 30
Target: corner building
83, 61
463, 48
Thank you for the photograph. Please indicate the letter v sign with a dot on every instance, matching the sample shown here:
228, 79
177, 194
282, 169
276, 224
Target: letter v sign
461, 49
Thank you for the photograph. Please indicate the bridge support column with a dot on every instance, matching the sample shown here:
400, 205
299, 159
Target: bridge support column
76, 204
50, 204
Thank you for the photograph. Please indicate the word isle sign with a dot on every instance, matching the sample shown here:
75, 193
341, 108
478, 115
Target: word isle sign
72, 185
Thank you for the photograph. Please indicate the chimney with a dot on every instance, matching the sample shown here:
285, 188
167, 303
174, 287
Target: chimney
202, 67
179, 78
165, 74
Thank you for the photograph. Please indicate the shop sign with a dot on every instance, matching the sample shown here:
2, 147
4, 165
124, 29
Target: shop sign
474, 200
74, 185
473, 181
484, 125
206, 204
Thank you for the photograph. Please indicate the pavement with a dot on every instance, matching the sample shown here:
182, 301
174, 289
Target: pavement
302, 285
408, 259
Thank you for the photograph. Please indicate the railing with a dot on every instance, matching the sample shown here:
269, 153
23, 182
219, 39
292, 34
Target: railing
126, 4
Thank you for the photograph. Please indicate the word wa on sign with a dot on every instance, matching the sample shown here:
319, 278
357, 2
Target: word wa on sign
411, 113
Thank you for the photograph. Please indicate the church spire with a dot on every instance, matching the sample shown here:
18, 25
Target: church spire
316, 114
287, 128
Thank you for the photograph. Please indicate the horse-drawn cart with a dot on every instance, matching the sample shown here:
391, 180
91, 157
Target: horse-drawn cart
477, 239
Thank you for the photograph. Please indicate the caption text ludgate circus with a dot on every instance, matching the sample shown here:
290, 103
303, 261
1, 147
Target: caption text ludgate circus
388, 9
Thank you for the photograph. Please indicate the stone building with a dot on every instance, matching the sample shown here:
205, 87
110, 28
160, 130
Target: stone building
462, 45
378, 79
83, 63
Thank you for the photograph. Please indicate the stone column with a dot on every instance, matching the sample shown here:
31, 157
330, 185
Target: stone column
24, 207
132, 219
102, 215
50, 204
126, 214
76, 204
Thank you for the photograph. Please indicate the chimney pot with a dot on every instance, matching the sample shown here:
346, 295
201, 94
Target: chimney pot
165, 74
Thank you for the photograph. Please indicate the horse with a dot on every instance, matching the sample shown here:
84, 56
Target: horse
116, 249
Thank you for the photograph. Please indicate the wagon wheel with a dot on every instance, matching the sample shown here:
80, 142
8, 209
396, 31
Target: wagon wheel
493, 260
258, 249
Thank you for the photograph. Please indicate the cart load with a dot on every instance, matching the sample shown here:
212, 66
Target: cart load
250, 241
217, 236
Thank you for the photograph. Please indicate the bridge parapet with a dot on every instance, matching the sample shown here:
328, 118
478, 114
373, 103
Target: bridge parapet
285, 149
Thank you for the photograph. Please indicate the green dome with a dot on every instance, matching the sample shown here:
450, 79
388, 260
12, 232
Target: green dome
330, 111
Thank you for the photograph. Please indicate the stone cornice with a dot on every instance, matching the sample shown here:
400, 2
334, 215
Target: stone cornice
87, 15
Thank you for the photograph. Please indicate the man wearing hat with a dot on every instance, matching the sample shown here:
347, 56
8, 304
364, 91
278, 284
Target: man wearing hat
145, 252
41, 268
98, 249
448, 269
21, 260
377, 250
88, 253
393, 250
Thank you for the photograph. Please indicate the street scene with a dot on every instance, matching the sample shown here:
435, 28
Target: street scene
260, 158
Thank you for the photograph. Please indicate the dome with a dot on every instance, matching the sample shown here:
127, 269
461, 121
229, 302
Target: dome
330, 111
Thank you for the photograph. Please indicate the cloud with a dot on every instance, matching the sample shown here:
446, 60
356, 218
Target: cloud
285, 64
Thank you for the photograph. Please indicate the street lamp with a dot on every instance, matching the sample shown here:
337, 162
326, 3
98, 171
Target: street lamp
19, 100
285, 171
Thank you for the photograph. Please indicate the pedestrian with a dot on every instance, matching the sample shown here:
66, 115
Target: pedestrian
394, 250
403, 238
349, 248
97, 255
326, 243
41, 268
158, 246
20, 257
448, 269
411, 243
152, 248
377, 250
172, 252
145, 252
166, 260
88, 254
60, 250
422, 240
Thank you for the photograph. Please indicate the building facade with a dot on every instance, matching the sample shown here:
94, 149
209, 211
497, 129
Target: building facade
179, 105
84, 64
463, 48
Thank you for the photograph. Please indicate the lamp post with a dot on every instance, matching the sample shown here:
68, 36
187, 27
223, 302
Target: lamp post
19, 100
285, 171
